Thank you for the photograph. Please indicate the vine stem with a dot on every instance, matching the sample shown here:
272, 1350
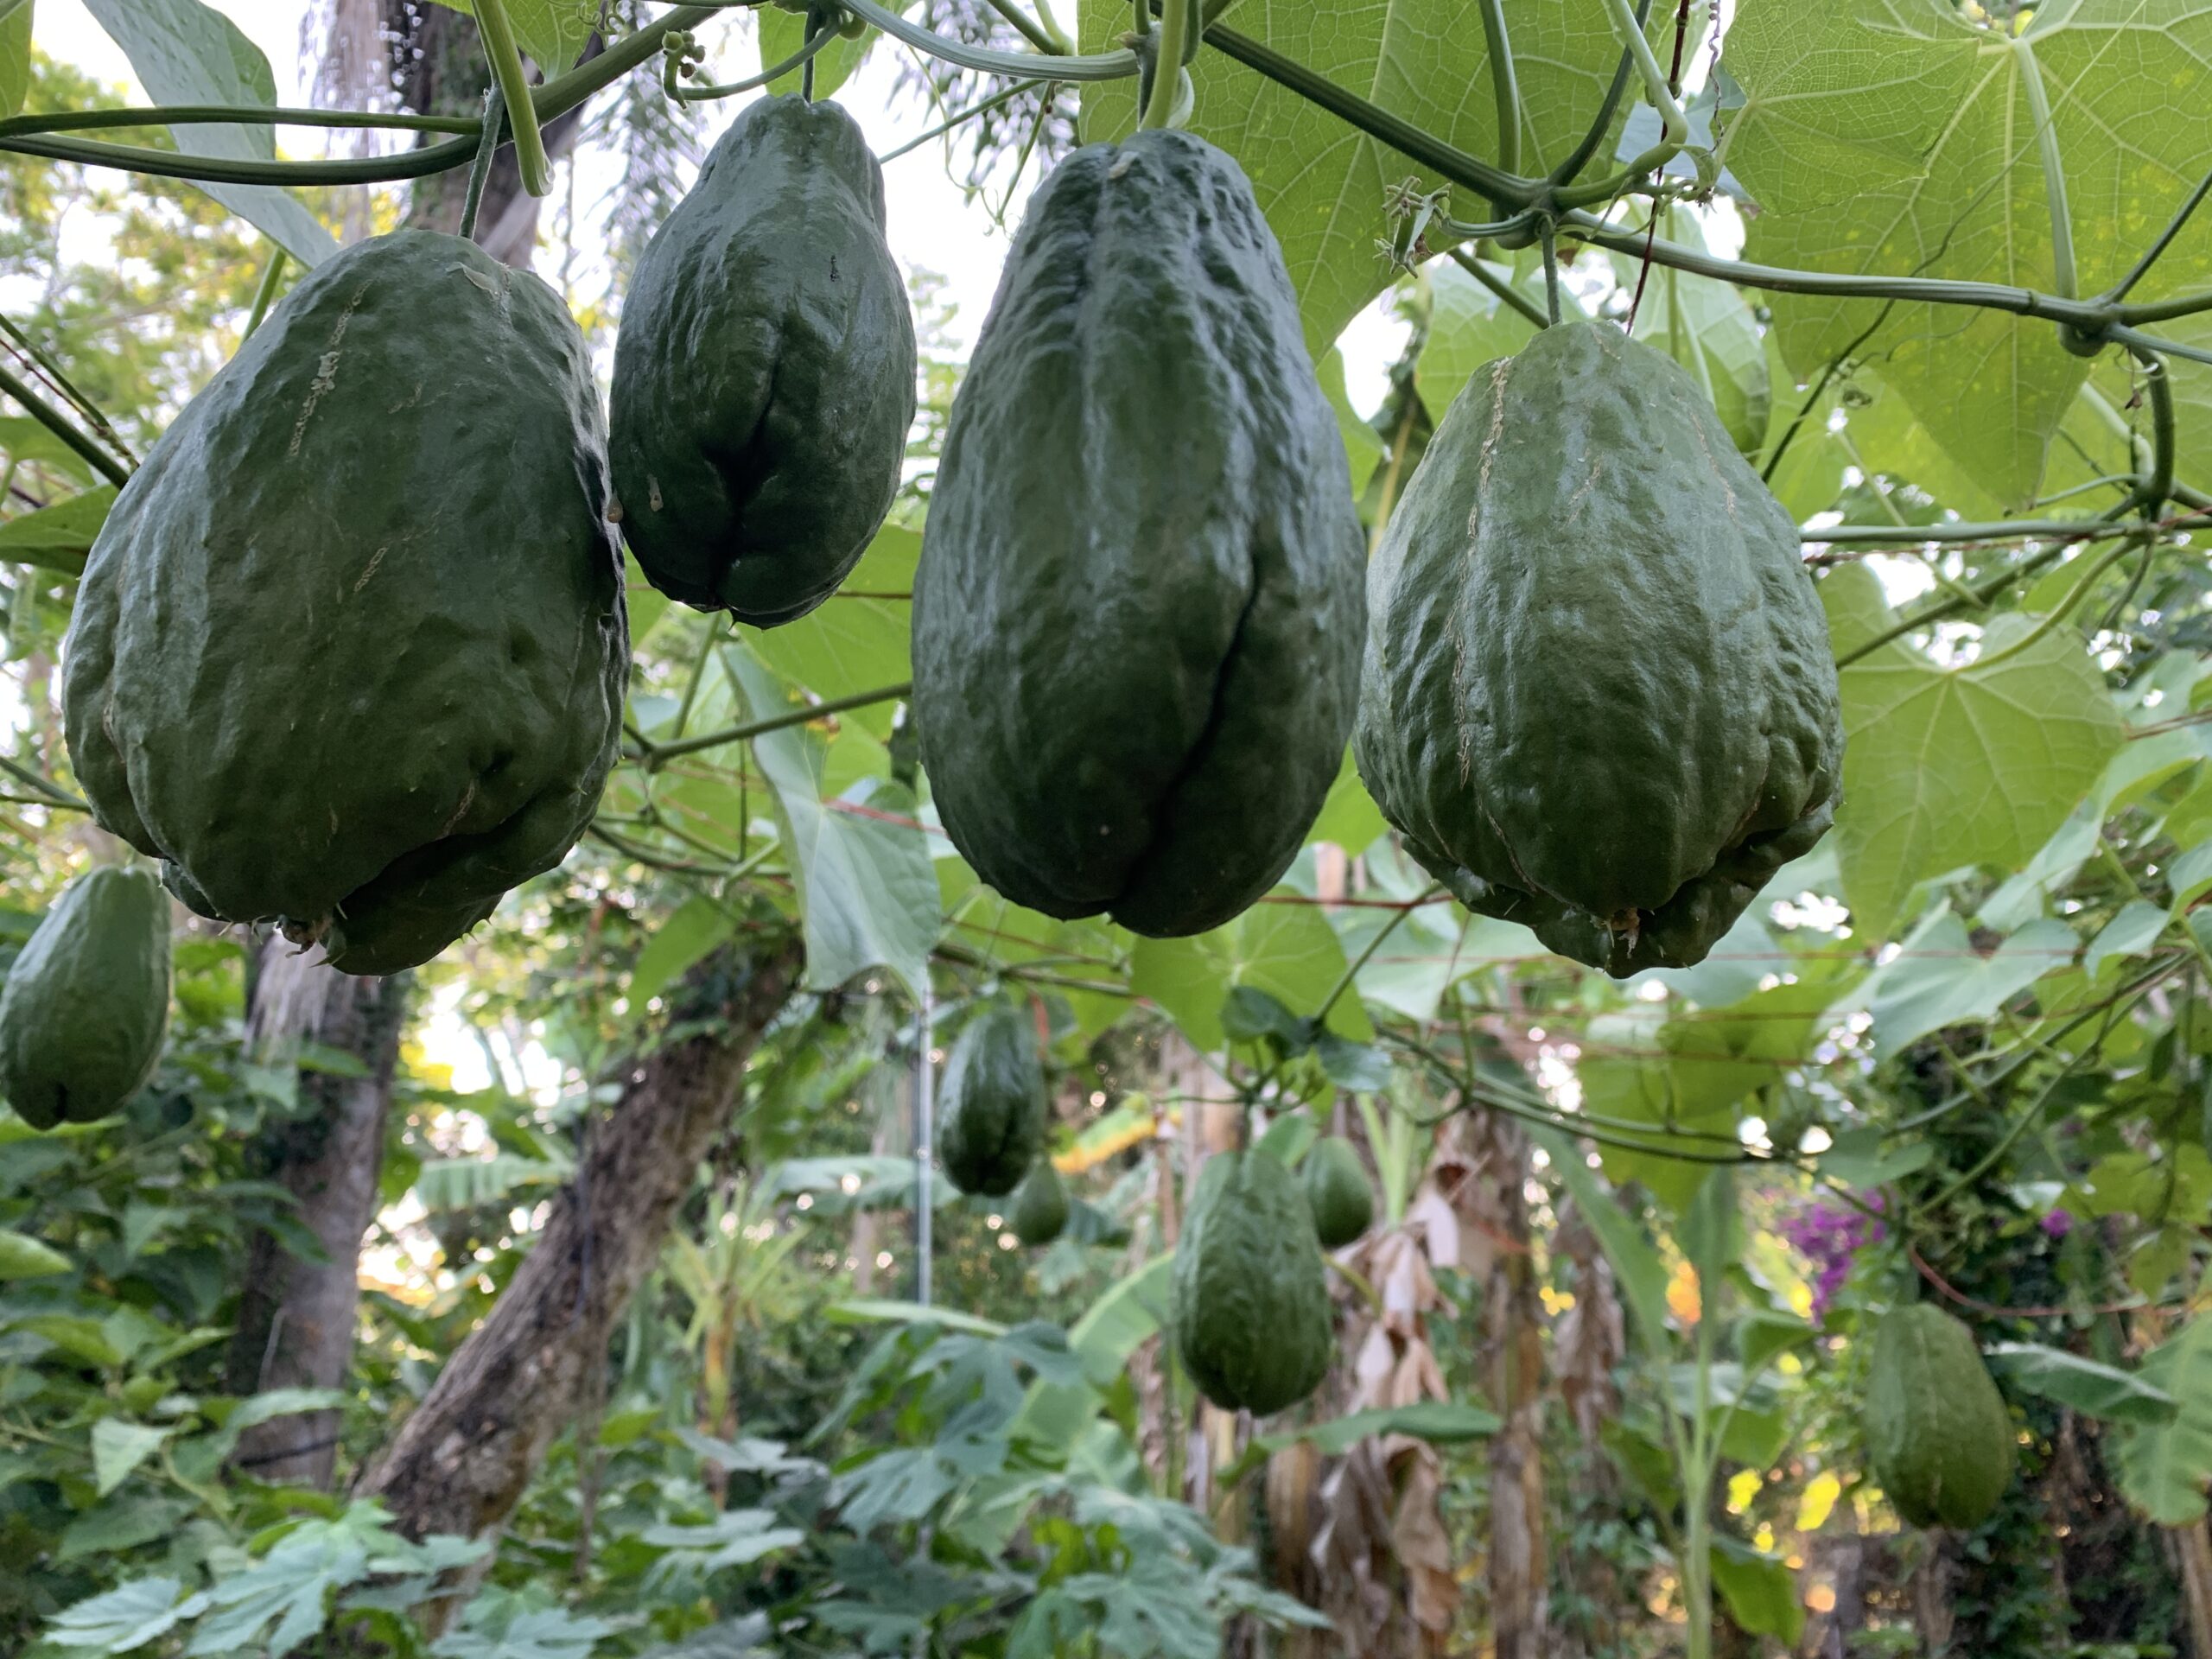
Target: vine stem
513, 82
2064, 278
802, 59
1504, 291
1046, 37
1168, 64
1549, 244
993, 102
655, 753
480, 170
102, 429
2137, 271
1506, 86
1429, 895
1104, 65
51, 418
264, 293
1579, 158
1674, 126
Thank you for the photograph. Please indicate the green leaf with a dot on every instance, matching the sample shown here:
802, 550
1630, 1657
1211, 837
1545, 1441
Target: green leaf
1249, 1014
1760, 1590
1706, 325
448, 1184
1939, 979
1896, 137
118, 1447
689, 931
23, 1256
1468, 326
15, 55
1320, 183
733, 1538
2089, 1386
2164, 1466
1857, 1158
867, 893
1361, 1067
535, 1633
126, 1618
552, 32
57, 538
187, 52
856, 639
782, 32
1349, 814
1949, 767
2134, 929
25, 441
1288, 950
272, 1403
1692, 1107
2191, 875
1288, 1138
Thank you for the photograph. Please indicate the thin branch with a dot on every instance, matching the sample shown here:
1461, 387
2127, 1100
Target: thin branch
53, 419
658, 752
1504, 291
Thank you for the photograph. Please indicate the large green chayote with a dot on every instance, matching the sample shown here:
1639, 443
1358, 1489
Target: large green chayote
1599, 696
991, 1118
1138, 612
349, 654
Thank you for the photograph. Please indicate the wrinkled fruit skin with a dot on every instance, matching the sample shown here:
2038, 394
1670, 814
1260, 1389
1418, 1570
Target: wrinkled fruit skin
1937, 1432
1040, 1208
1599, 696
1138, 604
991, 1120
1249, 1299
87, 1002
1336, 1188
349, 654
764, 374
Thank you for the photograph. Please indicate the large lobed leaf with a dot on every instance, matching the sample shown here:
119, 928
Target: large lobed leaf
1894, 137
1320, 181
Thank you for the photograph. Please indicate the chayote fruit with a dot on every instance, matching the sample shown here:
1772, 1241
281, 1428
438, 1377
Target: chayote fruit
763, 373
86, 1004
1337, 1189
1249, 1296
1138, 611
1599, 696
992, 1109
1937, 1430
349, 654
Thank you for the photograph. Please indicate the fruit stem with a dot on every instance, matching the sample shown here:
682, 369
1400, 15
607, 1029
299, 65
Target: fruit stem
513, 84
1167, 65
264, 293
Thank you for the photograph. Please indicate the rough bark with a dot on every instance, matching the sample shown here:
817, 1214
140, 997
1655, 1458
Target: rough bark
296, 1318
459, 1462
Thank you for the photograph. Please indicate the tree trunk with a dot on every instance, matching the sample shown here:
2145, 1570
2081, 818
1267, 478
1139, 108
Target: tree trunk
459, 1462
296, 1318
1510, 1345
2194, 1544
439, 68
